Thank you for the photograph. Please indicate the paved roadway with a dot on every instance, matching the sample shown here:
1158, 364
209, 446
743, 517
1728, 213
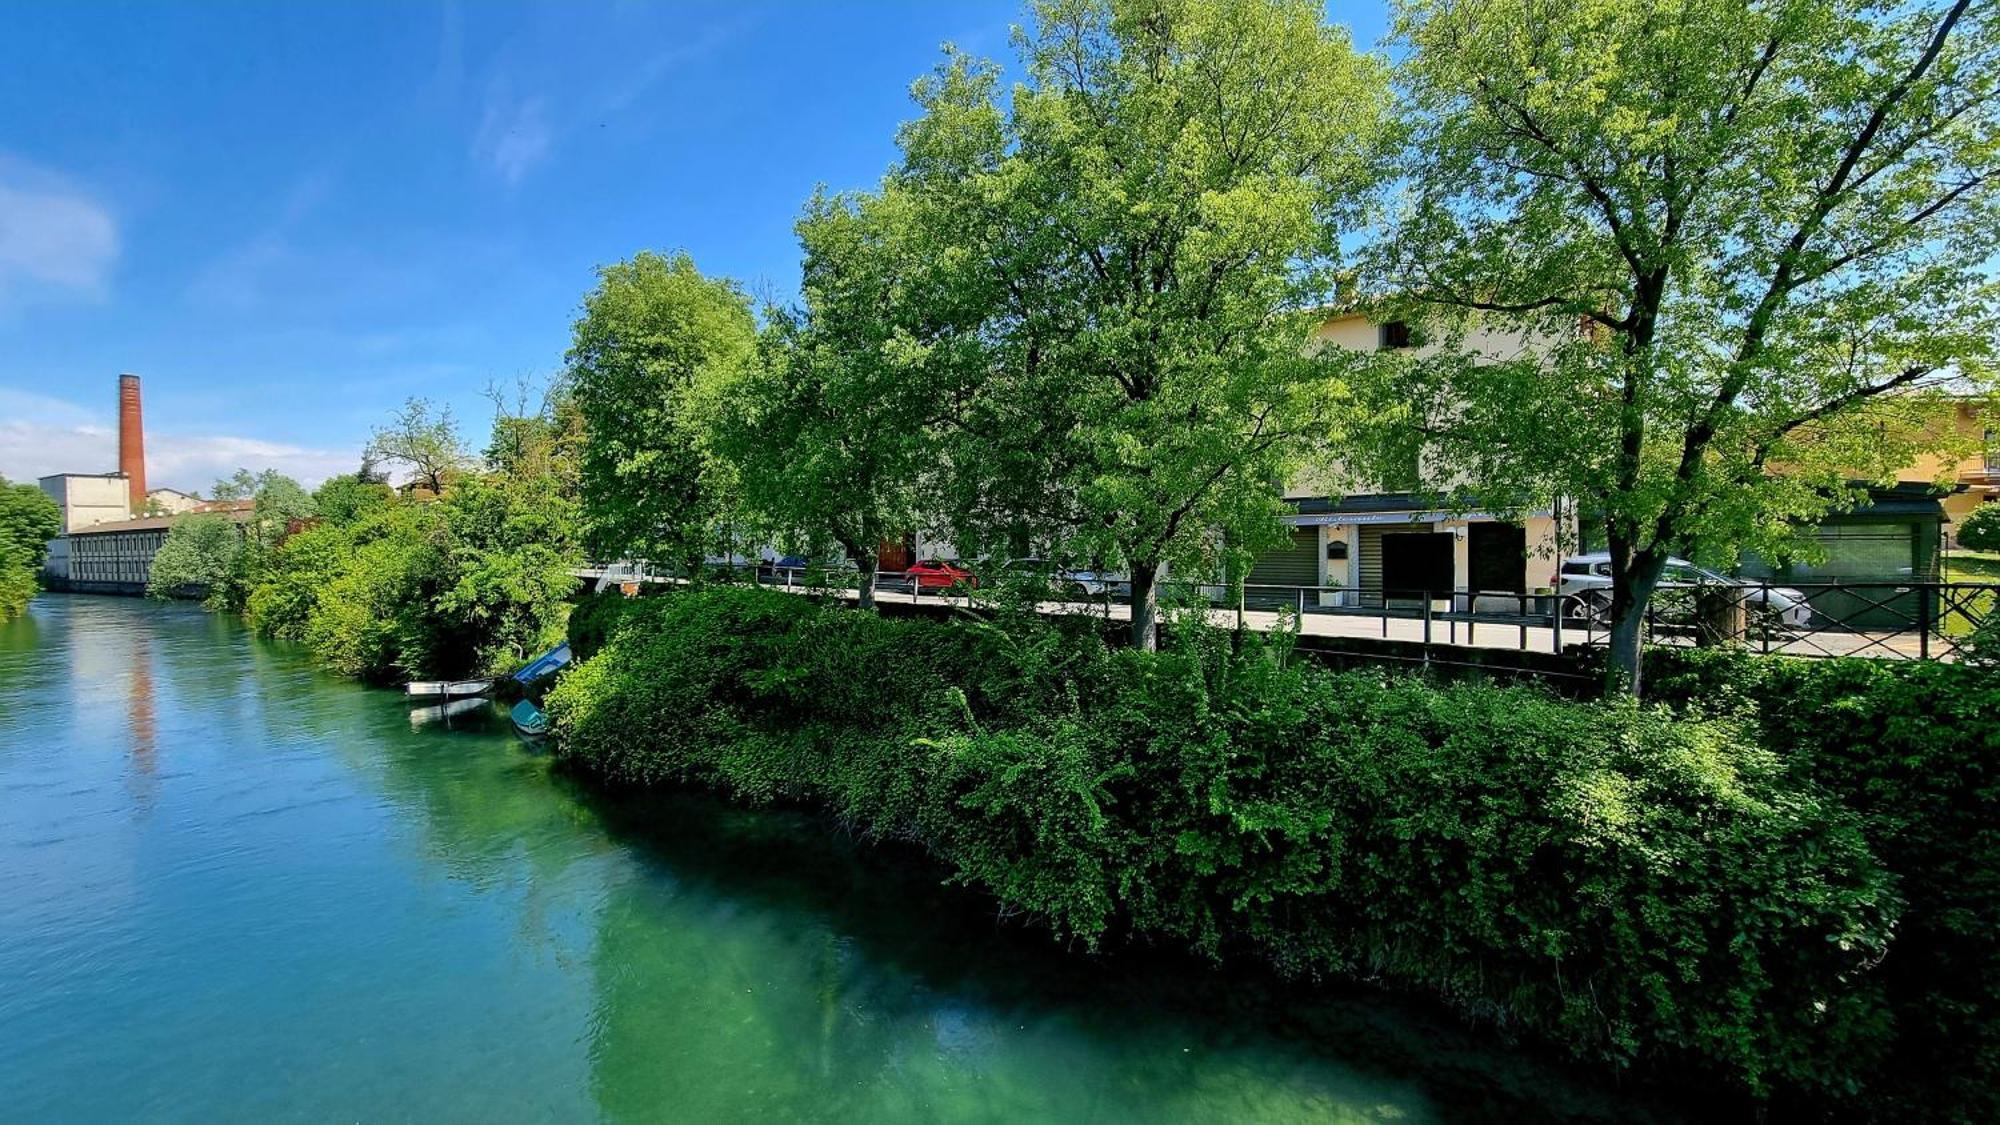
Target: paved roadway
1488, 631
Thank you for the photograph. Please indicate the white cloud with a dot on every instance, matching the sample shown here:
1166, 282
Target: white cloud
40, 435
53, 236
514, 134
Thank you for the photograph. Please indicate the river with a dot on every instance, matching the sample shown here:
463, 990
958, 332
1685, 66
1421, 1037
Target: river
234, 888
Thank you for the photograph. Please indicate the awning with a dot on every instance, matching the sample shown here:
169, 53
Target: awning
1330, 519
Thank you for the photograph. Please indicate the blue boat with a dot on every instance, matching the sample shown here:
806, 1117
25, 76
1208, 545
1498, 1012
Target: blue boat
543, 666
529, 719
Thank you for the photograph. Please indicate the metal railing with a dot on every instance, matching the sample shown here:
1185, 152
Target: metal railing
1914, 620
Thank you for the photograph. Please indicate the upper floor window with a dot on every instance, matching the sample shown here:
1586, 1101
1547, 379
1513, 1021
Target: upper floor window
1396, 334
1992, 452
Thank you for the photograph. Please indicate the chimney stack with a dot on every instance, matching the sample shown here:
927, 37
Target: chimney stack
131, 440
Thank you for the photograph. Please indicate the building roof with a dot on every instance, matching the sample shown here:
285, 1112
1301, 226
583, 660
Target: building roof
153, 523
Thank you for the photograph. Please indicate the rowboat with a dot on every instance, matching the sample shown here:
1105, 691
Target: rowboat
543, 666
448, 689
529, 719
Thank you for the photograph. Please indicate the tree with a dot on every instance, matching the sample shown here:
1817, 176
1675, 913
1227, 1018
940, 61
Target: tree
1148, 224
833, 429
346, 498
278, 502
654, 353
1981, 529
1741, 233
540, 440
28, 520
203, 553
422, 438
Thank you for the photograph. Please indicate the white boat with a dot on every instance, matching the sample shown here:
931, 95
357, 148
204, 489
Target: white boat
445, 712
448, 689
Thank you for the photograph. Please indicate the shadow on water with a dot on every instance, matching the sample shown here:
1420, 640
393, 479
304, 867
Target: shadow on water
890, 903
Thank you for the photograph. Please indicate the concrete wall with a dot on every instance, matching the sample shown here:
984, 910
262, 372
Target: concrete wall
88, 499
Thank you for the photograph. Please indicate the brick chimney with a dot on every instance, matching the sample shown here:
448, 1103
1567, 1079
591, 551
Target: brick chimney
132, 440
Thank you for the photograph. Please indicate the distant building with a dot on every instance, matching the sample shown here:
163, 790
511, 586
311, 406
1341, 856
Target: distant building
171, 501
85, 500
117, 557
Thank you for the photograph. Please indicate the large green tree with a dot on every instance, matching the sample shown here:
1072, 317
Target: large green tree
1735, 237
1148, 224
834, 429
28, 520
657, 348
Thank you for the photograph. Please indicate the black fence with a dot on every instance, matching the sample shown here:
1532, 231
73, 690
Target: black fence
1908, 620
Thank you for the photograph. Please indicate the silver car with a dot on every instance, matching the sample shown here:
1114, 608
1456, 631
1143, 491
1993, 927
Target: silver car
1588, 579
1066, 581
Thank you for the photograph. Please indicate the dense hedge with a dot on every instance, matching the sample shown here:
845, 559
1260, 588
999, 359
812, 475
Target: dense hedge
1914, 748
1630, 886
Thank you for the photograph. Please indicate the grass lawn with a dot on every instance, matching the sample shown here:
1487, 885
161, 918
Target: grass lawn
1970, 566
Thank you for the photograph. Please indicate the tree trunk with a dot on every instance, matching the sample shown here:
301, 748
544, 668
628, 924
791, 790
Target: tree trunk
865, 562
1632, 586
1146, 606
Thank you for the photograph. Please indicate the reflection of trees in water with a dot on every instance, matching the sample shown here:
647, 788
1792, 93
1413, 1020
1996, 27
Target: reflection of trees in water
754, 966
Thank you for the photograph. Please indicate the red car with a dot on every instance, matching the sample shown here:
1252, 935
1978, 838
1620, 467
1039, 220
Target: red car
939, 575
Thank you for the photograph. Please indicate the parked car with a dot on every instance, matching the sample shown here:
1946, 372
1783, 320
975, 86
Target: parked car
795, 566
1588, 578
1066, 581
937, 576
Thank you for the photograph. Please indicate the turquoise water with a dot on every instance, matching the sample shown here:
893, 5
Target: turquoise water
234, 888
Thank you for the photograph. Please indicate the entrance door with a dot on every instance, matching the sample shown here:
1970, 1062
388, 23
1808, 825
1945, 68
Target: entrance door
1497, 558
1416, 563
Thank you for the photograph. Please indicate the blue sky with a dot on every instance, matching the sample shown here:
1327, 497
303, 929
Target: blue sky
287, 218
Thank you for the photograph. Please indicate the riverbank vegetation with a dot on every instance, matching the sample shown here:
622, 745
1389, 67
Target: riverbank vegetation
1728, 889
466, 571
388, 587
28, 520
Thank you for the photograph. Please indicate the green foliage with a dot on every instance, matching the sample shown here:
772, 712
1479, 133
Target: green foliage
657, 348
204, 553
1136, 244
1981, 530
385, 588
1748, 237
346, 498
423, 439
1913, 747
832, 431
28, 520
1634, 886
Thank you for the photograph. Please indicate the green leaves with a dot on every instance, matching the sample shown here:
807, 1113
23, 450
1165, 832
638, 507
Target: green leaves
1745, 246
28, 520
657, 350
1127, 241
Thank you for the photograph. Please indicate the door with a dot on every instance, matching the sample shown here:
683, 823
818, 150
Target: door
1497, 558
1415, 563
1274, 576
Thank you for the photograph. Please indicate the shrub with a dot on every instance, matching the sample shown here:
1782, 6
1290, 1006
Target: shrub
204, 553
1914, 748
1632, 886
1981, 529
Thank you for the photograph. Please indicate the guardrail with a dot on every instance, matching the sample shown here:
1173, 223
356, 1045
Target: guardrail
1888, 619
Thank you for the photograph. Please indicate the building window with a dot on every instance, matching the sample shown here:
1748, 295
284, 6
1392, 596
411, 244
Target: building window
1992, 453
1395, 334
